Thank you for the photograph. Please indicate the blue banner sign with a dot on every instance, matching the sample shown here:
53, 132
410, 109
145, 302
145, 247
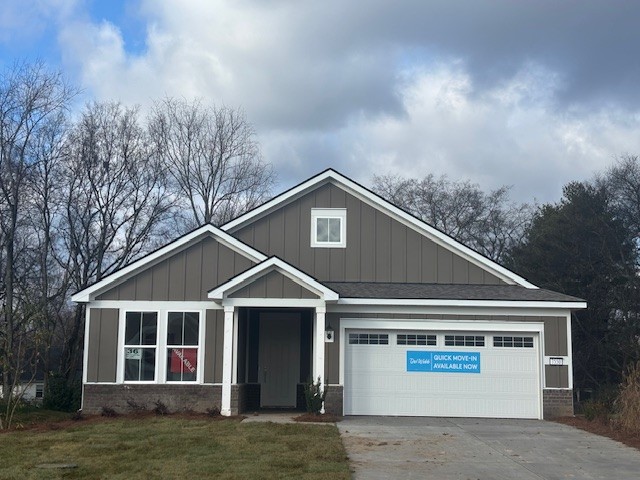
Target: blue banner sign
443, 362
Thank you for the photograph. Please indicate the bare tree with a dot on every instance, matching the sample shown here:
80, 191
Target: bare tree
114, 207
486, 222
30, 96
212, 157
49, 280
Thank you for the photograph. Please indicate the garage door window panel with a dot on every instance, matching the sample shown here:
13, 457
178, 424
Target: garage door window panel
416, 339
513, 342
464, 340
368, 339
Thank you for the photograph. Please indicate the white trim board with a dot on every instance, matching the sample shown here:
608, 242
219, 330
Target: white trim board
156, 305
462, 303
447, 310
118, 277
440, 238
273, 302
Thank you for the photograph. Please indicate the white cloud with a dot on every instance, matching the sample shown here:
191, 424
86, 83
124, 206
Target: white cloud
327, 86
510, 135
26, 20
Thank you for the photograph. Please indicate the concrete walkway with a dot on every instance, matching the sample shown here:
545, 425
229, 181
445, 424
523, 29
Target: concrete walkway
481, 449
276, 416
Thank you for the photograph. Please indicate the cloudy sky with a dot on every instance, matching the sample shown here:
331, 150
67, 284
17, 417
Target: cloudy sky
528, 94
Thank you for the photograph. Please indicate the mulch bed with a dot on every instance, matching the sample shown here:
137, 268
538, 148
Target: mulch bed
319, 418
603, 428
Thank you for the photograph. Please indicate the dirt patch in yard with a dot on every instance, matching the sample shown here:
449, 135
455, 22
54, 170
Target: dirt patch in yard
320, 418
603, 428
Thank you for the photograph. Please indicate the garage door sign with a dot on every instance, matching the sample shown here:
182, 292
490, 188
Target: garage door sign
443, 362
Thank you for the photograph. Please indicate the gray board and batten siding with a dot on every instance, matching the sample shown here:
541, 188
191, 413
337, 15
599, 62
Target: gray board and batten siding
273, 285
103, 340
187, 275
379, 248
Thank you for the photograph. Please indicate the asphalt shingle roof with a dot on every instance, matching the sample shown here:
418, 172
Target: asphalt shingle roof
446, 292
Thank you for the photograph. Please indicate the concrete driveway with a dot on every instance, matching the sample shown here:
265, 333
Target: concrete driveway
481, 449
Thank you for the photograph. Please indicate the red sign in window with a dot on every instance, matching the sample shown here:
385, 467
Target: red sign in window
184, 360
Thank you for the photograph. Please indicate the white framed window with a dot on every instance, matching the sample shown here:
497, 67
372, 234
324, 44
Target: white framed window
329, 227
183, 334
39, 390
140, 346
160, 345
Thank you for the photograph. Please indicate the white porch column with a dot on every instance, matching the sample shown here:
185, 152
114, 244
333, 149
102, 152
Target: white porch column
318, 346
227, 361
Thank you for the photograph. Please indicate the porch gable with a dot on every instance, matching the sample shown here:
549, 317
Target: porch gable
272, 279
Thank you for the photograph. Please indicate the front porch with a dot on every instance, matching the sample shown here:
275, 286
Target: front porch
274, 352
274, 336
274, 358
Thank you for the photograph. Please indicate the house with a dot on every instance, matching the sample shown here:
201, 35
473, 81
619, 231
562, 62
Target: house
30, 391
329, 281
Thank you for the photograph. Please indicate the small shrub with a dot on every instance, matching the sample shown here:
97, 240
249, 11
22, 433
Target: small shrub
108, 412
136, 407
314, 396
160, 408
213, 411
62, 396
77, 416
628, 401
594, 409
602, 404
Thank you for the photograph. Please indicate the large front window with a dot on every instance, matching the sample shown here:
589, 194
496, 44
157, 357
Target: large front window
182, 346
140, 343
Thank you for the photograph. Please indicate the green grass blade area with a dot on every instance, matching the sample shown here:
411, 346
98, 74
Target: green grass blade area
167, 448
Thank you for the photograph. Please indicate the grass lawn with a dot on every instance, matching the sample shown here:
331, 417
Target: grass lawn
29, 416
174, 447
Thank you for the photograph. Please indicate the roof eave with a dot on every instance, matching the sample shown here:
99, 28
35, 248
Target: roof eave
462, 303
88, 294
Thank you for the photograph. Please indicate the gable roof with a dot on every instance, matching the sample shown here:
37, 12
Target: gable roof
269, 265
151, 259
374, 200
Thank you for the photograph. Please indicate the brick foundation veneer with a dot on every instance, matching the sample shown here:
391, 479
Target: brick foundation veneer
177, 398
333, 400
557, 403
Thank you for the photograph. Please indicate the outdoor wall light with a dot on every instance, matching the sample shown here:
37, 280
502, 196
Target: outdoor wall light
329, 334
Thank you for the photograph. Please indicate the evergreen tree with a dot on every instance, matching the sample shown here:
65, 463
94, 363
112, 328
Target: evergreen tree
580, 247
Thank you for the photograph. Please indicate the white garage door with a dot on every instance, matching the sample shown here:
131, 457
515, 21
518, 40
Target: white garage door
448, 374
